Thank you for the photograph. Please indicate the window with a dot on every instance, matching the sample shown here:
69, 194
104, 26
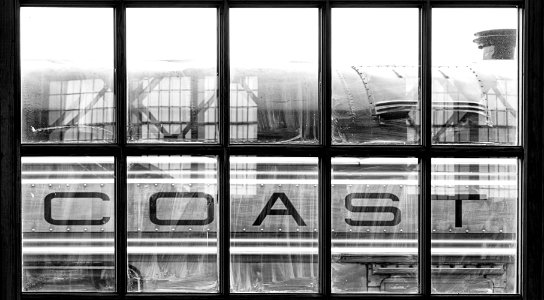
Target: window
234, 149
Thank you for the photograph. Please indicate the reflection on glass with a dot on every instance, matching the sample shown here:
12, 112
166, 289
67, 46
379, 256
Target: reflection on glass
172, 216
475, 76
374, 225
375, 75
68, 224
474, 225
172, 74
274, 75
67, 75
274, 224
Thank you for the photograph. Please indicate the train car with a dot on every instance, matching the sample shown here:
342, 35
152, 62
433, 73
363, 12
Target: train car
173, 204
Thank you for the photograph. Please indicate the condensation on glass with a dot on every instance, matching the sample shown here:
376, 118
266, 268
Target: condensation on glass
67, 75
68, 224
172, 230
274, 224
375, 76
474, 225
374, 217
274, 75
172, 75
475, 76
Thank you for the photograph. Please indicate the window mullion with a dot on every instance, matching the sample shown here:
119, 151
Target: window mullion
325, 159
224, 138
425, 162
121, 166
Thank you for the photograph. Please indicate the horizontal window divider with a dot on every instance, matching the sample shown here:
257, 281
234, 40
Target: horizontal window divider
271, 150
276, 3
90, 296
70, 150
476, 151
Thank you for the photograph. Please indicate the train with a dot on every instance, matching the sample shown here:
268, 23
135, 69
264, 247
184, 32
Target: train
68, 218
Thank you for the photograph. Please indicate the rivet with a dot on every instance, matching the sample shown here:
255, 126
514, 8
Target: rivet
32, 185
190, 229
33, 229
385, 230
315, 229
84, 184
500, 230
156, 229
243, 229
401, 230
450, 230
466, 231
50, 229
368, 230
298, 229
68, 229
173, 229
156, 184
84, 229
483, 230
262, 229
101, 229
139, 229
173, 184
101, 185
50, 185
190, 184
434, 230
279, 229
67, 185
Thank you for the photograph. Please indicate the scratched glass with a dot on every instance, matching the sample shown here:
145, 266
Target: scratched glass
67, 91
475, 76
172, 224
374, 215
68, 224
375, 76
274, 224
172, 75
274, 75
474, 225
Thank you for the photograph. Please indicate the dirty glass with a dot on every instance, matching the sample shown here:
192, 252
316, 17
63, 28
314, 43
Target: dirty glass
67, 75
172, 75
475, 76
274, 224
374, 217
274, 75
474, 225
68, 224
375, 76
172, 214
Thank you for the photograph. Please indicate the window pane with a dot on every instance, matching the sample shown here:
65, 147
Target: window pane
274, 75
172, 75
67, 75
172, 224
68, 224
475, 76
375, 75
375, 225
474, 223
274, 224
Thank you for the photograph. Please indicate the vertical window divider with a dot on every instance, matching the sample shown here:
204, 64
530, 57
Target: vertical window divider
425, 161
121, 165
224, 139
325, 157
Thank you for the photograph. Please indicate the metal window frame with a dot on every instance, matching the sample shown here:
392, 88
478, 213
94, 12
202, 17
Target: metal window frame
530, 151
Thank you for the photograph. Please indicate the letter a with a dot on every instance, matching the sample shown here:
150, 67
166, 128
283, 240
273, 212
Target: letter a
290, 210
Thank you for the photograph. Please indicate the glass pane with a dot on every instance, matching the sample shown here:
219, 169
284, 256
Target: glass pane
68, 224
172, 214
67, 75
274, 75
474, 225
475, 76
172, 75
375, 76
375, 225
274, 224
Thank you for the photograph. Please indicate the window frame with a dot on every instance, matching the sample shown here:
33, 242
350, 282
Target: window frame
529, 152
